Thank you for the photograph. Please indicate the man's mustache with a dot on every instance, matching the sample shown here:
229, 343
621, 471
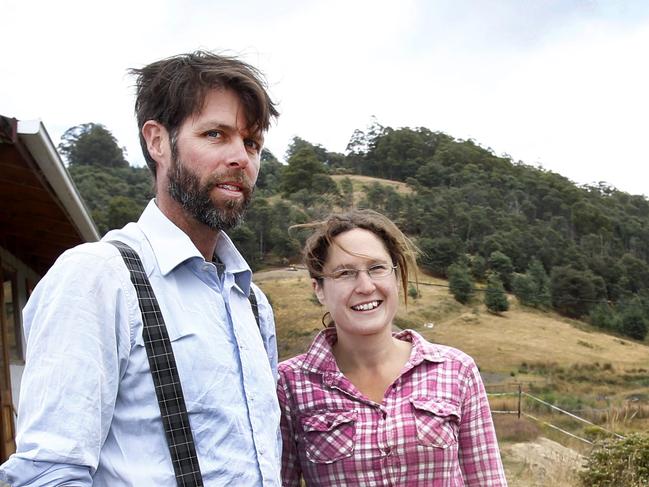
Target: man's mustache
235, 176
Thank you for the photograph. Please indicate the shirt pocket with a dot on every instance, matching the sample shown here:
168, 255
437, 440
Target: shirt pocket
175, 332
329, 436
437, 422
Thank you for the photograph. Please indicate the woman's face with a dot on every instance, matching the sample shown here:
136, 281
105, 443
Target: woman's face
364, 305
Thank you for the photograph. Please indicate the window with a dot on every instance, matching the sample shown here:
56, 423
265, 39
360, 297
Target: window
11, 312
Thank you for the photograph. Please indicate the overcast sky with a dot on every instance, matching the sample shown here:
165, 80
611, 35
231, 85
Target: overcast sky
561, 84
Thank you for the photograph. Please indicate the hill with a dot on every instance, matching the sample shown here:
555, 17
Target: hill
462, 204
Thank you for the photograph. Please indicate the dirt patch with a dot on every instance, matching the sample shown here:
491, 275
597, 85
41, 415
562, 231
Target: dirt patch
283, 273
541, 463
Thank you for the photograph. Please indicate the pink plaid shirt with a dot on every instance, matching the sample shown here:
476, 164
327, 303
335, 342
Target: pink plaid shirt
433, 428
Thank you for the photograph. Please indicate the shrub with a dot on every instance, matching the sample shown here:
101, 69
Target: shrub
495, 298
604, 316
634, 323
460, 282
618, 463
413, 292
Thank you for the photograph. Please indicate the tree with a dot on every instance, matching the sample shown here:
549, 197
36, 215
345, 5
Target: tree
502, 265
91, 144
439, 253
460, 282
303, 171
533, 287
478, 267
270, 173
573, 291
604, 316
495, 298
122, 210
633, 322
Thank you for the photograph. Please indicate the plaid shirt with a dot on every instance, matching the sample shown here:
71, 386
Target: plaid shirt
432, 429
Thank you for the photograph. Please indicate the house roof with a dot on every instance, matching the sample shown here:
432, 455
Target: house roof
41, 212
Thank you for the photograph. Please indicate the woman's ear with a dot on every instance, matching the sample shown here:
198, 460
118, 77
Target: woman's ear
317, 289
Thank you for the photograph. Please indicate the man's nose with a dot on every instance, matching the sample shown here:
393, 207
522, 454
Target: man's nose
239, 155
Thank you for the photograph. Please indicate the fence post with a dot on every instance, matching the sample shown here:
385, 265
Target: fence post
519, 400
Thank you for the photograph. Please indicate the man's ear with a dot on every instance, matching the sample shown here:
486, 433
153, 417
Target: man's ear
317, 289
157, 140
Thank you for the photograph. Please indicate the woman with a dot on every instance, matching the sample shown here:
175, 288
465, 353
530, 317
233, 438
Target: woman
364, 406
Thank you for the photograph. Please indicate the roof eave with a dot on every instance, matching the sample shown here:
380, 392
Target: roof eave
34, 136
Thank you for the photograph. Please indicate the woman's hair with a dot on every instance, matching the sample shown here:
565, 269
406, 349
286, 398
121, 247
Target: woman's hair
316, 249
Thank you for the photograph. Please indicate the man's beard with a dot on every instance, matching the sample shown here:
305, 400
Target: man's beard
185, 187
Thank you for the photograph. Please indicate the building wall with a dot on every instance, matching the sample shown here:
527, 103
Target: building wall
26, 278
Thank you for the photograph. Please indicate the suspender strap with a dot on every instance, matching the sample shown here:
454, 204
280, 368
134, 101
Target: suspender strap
165, 375
252, 297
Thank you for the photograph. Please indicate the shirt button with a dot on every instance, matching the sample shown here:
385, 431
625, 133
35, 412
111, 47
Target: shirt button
384, 414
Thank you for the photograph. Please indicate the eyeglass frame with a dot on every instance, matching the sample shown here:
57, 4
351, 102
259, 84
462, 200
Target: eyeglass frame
356, 273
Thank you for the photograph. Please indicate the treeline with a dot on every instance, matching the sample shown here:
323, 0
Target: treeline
583, 251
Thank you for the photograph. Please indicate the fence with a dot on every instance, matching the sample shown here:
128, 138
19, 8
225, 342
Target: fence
519, 412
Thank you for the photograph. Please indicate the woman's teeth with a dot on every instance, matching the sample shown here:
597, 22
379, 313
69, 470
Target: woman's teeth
366, 306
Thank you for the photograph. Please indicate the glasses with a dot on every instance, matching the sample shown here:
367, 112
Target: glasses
376, 271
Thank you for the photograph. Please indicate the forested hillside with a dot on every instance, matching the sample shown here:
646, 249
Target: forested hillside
583, 251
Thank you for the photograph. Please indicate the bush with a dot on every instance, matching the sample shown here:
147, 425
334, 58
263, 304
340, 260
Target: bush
495, 298
634, 323
460, 282
618, 463
413, 292
604, 316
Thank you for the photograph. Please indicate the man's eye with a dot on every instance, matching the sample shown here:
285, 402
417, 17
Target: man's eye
213, 134
252, 144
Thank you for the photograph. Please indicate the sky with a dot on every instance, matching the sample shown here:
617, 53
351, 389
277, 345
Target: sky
558, 84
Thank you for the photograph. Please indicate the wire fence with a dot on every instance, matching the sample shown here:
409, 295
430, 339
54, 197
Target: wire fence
520, 394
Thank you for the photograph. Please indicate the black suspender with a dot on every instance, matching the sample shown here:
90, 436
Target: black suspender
165, 373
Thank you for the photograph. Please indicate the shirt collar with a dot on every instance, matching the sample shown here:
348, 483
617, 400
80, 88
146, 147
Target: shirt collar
421, 348
171, 246
319, 358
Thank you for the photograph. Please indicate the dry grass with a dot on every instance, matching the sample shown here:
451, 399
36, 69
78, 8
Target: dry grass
497, 343
510, 428
358, 183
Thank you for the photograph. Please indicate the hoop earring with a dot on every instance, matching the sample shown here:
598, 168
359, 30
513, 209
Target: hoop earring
322, 320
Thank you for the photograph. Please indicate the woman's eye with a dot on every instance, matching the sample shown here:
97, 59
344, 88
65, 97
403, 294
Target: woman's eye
344, 273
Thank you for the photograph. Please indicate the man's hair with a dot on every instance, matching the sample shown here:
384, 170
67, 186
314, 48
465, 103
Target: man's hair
172, 89
402, 251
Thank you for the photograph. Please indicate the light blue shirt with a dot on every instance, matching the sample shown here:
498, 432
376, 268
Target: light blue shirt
88, 414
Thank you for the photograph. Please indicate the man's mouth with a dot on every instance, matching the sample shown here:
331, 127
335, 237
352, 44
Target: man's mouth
229, 187
366, 306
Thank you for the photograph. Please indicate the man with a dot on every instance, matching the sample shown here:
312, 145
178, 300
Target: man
88, 410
